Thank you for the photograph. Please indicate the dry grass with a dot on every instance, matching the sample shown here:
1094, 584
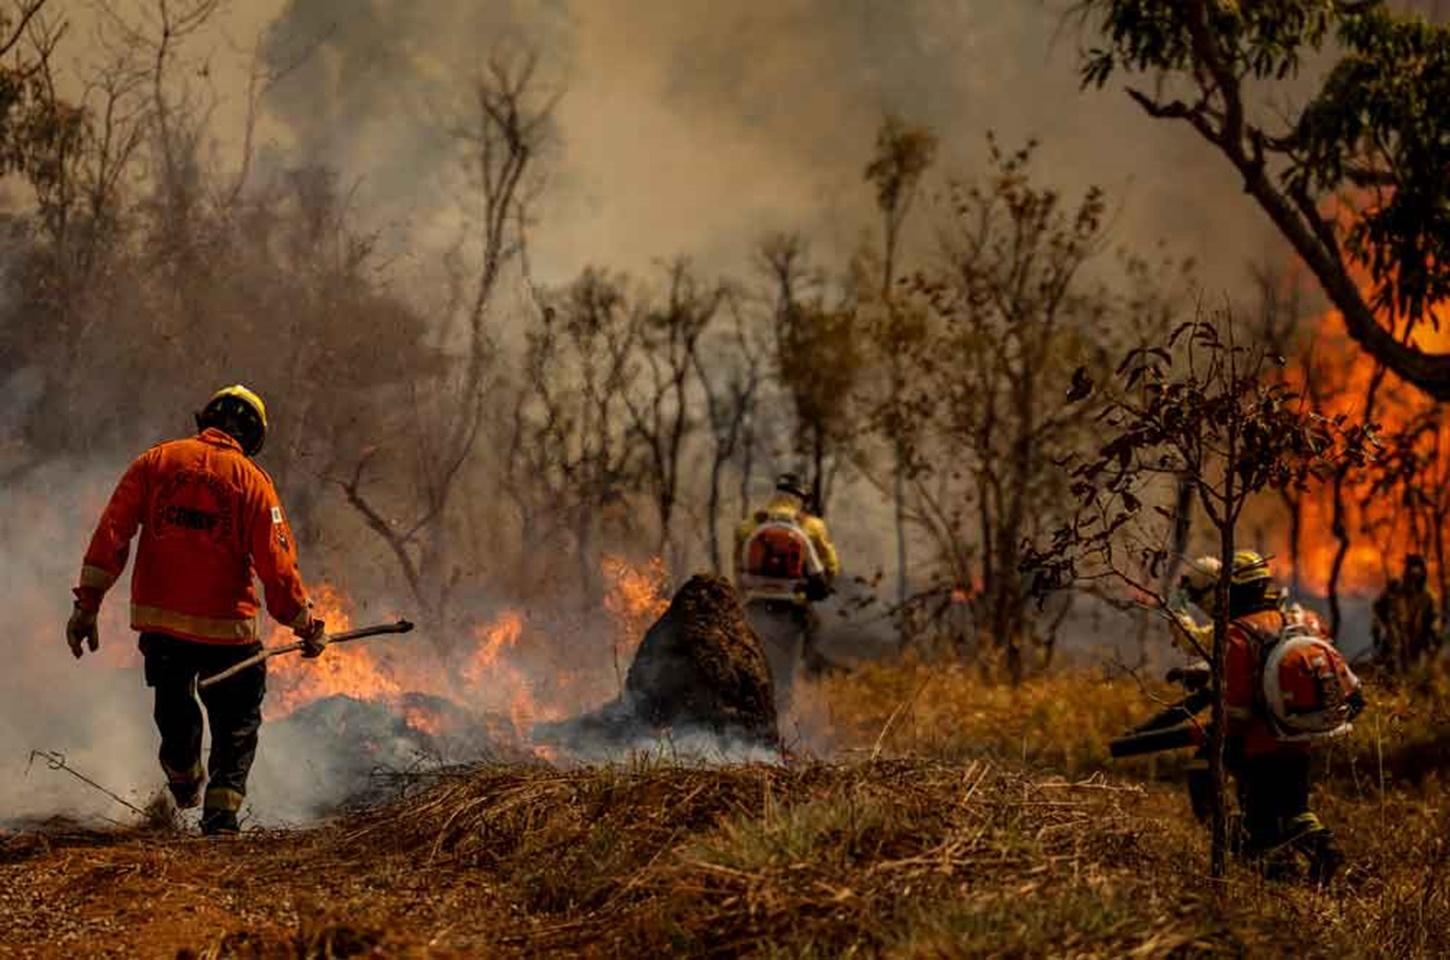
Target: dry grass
1063, 721
946, 844
830, 858
1060, 721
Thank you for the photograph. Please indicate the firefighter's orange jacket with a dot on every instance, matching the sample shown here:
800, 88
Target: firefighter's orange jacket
209, 518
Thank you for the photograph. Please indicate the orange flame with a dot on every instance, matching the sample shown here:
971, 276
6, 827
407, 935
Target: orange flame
510, 668
636, 598
1335, 377
349, 669
494, 679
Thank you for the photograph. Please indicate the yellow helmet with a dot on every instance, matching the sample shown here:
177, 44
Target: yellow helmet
1250, 567
238, 412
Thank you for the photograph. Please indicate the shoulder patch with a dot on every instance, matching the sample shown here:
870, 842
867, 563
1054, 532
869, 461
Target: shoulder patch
276, 515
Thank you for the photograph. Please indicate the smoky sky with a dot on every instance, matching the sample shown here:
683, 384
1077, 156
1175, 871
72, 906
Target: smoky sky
695, 126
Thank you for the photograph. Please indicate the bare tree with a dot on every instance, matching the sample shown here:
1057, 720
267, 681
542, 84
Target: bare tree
662, 411
572, 458
903, 154
730, 404
509, 125
1013, 313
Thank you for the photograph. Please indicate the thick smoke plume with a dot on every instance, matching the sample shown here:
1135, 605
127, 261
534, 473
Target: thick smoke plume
698, 127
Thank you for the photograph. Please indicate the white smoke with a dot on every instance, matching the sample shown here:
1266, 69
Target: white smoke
95, 712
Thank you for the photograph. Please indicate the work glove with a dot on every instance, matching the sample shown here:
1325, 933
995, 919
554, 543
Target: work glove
818, 588
313, 637
1356, 704
82, 627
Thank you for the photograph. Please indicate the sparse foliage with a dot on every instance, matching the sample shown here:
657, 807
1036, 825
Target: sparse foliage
503, 138
818, 359
1008, 316
903, 155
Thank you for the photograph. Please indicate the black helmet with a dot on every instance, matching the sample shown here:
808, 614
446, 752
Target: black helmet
792, 483
239, 413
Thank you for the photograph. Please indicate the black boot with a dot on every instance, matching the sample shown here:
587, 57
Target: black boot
1324, 856
186, 795
220, 823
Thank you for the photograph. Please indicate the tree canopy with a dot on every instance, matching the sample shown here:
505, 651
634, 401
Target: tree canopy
1357, 179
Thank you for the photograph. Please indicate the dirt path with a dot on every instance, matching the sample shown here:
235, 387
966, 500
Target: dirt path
142, 895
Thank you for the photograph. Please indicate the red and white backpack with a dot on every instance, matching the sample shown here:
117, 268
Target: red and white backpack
778, 557
1308, 689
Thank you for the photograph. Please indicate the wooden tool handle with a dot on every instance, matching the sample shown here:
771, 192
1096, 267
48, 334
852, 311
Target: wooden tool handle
402, 626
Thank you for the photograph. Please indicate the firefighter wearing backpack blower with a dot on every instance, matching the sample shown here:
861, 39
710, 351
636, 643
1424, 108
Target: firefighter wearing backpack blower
1285, 685
784, 563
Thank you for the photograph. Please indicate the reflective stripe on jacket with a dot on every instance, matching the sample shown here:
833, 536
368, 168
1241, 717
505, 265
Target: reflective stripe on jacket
209, 520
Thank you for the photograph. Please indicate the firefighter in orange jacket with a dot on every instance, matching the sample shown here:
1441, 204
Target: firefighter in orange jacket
209, 520
1272, 773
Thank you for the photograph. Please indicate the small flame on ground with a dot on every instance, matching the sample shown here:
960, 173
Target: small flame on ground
495, 680
510, 669
349, 669
637, 596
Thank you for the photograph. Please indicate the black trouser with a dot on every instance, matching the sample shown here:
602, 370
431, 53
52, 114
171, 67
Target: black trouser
1274, 799
234, 708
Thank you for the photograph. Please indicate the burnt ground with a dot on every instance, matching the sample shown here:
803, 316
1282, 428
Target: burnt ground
138, 894
891, 858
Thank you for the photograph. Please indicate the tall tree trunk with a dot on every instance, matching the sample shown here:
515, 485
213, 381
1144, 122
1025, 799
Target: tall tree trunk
1294, 505
899, 496
1340, 528
1218, 733
818, 468
747, 468
713, 514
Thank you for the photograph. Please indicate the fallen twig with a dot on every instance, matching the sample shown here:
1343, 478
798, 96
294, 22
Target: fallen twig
55, 760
